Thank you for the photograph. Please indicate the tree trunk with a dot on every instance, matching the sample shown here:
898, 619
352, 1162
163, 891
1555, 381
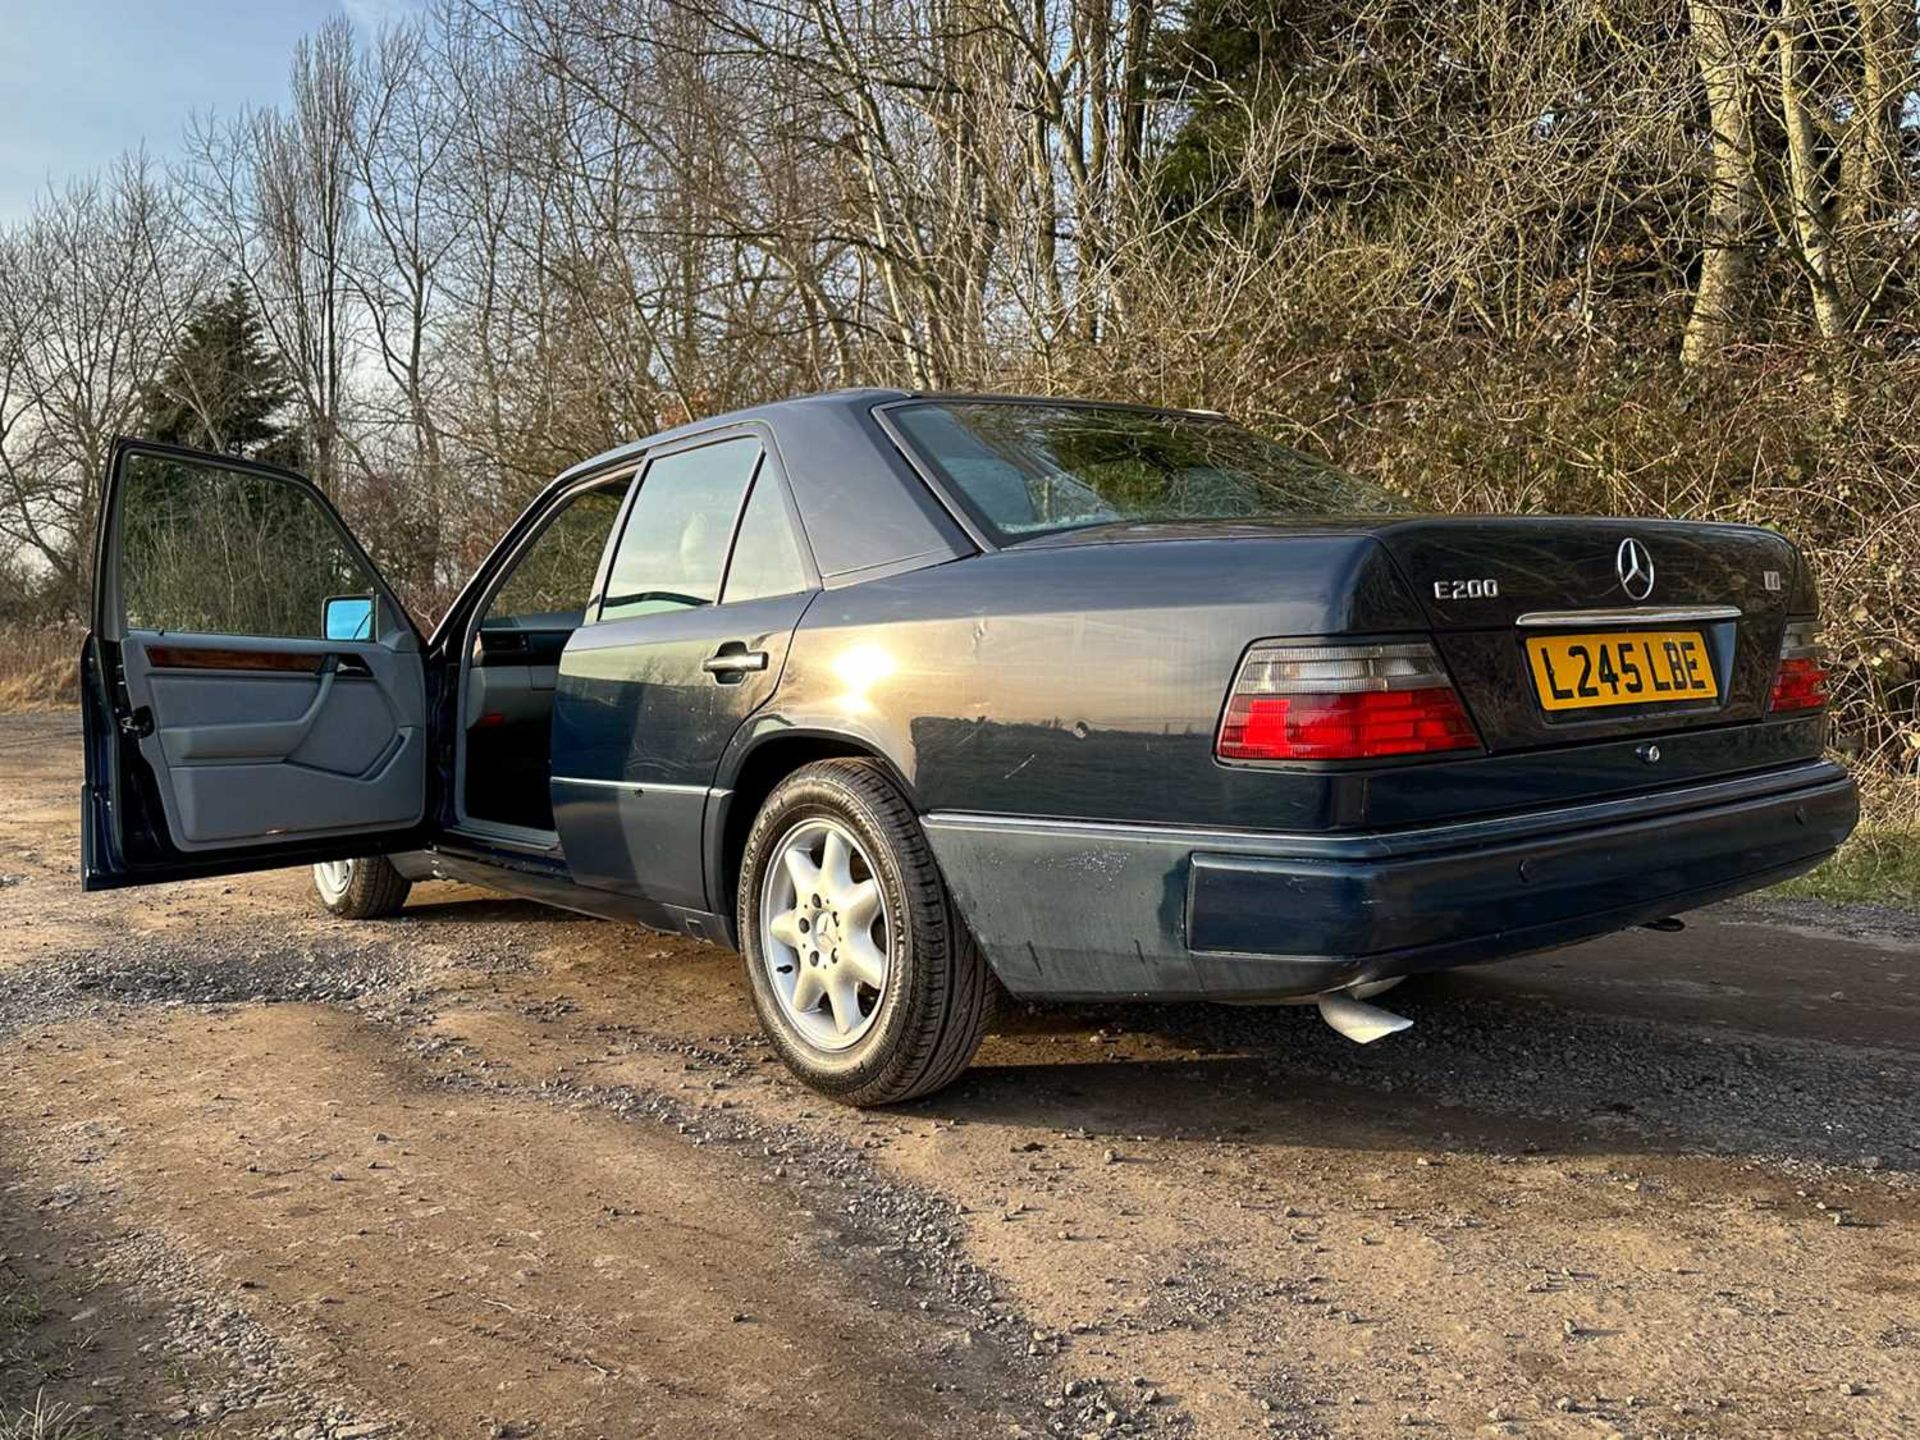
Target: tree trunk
1733, 189
1870, 161
1133, 87
1812, 228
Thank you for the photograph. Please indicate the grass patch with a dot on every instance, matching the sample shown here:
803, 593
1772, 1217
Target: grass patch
43, 1421
20, 1308
31, 1359
1882, 866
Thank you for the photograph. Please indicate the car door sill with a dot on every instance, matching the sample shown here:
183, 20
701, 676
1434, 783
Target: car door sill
515, 839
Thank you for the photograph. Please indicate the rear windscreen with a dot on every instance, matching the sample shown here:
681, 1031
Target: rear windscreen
1024, 468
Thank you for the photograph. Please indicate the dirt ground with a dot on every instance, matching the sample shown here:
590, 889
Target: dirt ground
490, 1170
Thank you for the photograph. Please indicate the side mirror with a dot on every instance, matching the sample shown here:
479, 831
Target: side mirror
347, 617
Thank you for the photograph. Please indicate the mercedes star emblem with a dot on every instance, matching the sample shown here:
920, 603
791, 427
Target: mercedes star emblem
1635, 568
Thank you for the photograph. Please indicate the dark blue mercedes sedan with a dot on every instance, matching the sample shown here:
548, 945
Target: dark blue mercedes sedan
913, 699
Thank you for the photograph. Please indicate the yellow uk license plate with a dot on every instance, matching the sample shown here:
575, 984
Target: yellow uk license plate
1628, 667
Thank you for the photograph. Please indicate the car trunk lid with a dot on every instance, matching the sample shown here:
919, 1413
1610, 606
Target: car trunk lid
1494, 587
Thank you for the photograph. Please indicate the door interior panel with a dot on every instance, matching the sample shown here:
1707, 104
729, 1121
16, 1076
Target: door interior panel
255, 738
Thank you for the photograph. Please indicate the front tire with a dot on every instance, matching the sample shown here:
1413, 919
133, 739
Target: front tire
369, 889
863, 974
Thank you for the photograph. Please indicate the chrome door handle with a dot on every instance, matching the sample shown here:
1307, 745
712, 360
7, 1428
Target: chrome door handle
734, 660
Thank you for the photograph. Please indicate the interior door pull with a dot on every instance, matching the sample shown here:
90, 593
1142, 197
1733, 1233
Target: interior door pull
250, 739
733, 661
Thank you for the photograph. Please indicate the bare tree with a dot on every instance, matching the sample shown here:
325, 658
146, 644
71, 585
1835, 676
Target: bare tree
94, 286
280, 209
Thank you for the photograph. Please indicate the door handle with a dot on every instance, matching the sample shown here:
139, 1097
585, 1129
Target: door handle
733, 662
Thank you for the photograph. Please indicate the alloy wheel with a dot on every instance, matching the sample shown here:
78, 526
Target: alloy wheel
826, 934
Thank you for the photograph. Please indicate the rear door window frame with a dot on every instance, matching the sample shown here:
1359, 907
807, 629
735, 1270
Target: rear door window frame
769, 464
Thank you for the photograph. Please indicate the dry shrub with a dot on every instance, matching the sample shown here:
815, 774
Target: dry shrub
39, 667
1777, 441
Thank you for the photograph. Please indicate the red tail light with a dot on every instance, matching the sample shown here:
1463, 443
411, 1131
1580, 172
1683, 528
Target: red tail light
1801, 682
1342, 702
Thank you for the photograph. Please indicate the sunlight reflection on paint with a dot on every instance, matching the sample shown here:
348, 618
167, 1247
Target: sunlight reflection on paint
860, 669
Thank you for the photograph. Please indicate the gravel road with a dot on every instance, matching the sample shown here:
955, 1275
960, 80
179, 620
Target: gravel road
490, 1170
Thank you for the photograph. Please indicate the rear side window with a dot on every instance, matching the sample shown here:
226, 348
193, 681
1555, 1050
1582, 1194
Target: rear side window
674, 545
766, 556
1023, 468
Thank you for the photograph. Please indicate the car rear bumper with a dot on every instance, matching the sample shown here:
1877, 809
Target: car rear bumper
1074, 910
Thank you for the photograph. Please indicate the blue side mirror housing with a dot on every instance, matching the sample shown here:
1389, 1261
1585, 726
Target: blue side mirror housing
348, 617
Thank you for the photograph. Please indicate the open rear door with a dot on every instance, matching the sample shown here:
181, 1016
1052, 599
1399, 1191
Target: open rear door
254, 696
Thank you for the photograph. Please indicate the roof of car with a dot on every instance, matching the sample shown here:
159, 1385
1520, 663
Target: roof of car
772, 412
857, 398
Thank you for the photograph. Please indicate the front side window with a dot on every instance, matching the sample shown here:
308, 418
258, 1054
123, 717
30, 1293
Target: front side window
674, 545
1024, 468
217, 551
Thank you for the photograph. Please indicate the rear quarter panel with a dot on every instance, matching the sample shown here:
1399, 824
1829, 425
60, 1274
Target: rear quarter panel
1082, 683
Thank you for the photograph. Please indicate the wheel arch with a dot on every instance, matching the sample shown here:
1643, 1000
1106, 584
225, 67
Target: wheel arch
760, 765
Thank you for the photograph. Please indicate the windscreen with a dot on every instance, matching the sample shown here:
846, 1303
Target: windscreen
1026, 468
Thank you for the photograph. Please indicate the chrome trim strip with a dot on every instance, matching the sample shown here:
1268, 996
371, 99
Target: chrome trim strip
1631, 615
647, 787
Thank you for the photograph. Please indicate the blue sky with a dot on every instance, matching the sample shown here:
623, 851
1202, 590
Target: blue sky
82, 80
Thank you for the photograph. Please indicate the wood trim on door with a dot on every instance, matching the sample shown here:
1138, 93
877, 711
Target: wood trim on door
183, 657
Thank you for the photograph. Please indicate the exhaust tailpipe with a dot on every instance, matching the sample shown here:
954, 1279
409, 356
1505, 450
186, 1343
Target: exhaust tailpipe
1358, 1021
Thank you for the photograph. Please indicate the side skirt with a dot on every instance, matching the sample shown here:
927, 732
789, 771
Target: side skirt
531, 880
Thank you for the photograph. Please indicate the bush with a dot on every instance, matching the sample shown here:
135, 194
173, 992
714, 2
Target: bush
39, 667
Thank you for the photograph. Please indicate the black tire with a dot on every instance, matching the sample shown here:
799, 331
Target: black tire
373, 889
940, 993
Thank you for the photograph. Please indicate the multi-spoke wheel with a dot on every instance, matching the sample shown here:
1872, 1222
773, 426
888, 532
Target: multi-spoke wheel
865, 979
368, 889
